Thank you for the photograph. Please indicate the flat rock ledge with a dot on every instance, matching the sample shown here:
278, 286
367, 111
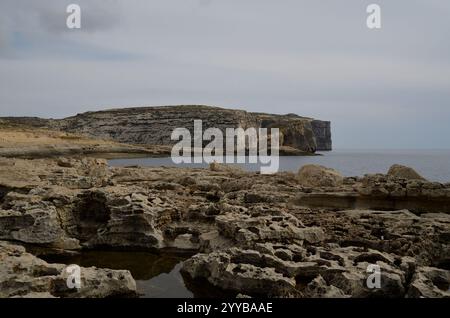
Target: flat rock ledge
253, 235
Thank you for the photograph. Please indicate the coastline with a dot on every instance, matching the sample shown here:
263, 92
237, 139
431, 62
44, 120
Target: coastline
309, 233
21, 141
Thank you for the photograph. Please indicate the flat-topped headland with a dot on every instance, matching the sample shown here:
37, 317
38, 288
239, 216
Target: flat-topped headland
152, 126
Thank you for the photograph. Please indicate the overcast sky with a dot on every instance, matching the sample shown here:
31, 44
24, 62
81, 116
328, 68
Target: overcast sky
387, 88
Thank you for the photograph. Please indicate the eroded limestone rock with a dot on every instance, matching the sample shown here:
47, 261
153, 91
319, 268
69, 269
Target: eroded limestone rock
24, 275
341, 272
319, 176
403, 172
254, 233
430, 282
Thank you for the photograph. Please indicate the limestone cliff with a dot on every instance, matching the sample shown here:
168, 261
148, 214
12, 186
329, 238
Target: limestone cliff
154, 125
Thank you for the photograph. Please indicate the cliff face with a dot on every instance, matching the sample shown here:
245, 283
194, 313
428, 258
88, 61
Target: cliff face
322, 133
154, 125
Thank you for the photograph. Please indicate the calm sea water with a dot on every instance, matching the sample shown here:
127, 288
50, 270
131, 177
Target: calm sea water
432, 164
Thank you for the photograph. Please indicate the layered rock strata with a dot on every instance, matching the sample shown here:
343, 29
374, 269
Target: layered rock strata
251, 233
154, 125
23, 275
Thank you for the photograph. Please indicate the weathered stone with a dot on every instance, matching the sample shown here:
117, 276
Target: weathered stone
31, 220
220, 269
430, 282
248, 228
24, 275
319, 176
220, 167
154, 125
251, 236
318, 288
403, 172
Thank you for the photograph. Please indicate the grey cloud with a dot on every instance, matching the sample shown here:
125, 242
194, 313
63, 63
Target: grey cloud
385, 88
4, 36
96, 16
37, 29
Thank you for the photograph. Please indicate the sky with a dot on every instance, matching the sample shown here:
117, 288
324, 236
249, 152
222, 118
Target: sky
381, 89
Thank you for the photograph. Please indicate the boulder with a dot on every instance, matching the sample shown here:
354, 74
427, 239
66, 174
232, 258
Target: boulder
318, 288
281, 227
29, 219
430, 282
221, 167
319, 176
403, 172
118, 217
240, 271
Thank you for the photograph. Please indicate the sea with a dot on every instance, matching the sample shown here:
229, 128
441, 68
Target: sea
434, 165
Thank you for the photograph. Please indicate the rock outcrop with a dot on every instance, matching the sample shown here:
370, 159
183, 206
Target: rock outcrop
23, 275
322, 132
341, 272
429, 282
254, 235
403, 172
319, 176
382, 192
154, 125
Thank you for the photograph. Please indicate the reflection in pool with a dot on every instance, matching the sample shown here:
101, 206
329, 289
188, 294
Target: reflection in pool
157, 275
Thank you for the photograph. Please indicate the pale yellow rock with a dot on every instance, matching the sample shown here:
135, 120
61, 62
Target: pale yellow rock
319, 176
403, 172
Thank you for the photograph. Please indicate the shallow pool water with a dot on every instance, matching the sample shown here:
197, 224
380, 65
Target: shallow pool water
156, 274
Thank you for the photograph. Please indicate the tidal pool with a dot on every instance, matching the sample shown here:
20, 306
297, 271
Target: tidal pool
157, 275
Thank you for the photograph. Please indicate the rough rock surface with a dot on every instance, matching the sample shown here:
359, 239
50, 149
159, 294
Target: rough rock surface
319, 176
254, 235
23, 141
294, 272
381, 192
403, 172
24, 275
154, 125
430, 282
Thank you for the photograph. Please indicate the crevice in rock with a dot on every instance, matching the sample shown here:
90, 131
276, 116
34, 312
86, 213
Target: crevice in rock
90, 214
408, 279
3, 192
443, 264
202, 288
441, 283
371, 258
302, 280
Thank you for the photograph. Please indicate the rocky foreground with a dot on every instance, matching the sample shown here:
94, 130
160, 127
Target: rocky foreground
310, 234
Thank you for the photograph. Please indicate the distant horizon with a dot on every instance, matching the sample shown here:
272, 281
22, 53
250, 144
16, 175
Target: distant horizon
113, 108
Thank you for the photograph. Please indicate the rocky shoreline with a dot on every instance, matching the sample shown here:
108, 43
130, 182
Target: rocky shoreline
252, 234
22, 140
